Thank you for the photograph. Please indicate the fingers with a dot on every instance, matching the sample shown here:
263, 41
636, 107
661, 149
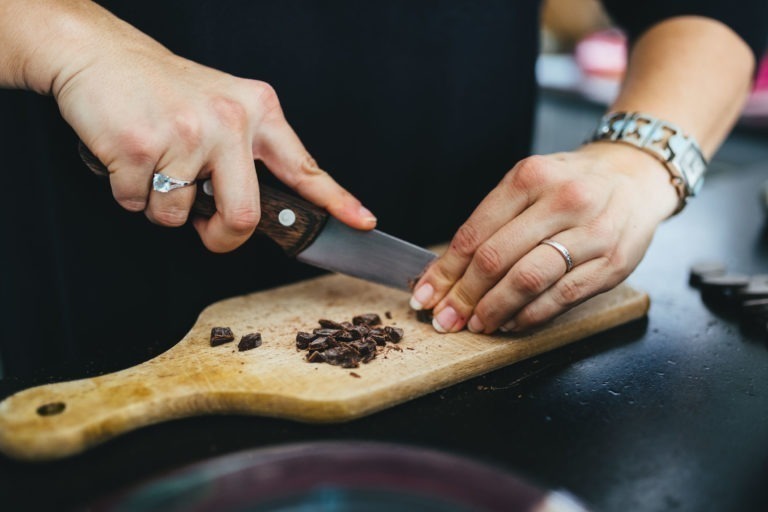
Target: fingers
490, 263
577, 286
172, 208
540, 272
284, 154
515, 192
236, 192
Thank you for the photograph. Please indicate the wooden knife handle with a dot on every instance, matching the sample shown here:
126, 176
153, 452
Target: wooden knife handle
288, 220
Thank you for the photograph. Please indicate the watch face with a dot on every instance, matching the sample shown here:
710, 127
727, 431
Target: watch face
333, 477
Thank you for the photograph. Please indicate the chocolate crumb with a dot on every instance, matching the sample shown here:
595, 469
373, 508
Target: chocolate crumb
221, 335
249, 341
353, 374
329, 324
303, 339
388, 314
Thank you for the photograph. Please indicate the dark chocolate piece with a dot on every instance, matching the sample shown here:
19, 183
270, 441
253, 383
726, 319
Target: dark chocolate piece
394, 334
756, 289
723, 291
369, 319
329, 324
316, 357
327, 332
221, 335
424, 316
249, 341
379, 339
322, 343
704, 269
303, 339
353, 374
388, 314
342, 356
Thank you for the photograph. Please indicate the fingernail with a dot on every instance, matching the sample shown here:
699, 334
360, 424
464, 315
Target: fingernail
421, 296
366, 215
509, 326
445, 319
475, 325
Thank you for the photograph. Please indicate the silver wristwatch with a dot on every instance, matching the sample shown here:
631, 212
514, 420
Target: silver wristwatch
679, 153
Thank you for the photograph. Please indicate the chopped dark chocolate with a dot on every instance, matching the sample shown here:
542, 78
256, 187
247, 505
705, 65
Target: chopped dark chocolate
395, 334
321, 343
329, 324
316, 357
379, 339
221, 335
704, 269
424, 316
388, 314
249, 341
347, 344
342, 356
327, 332
353, 374
369, 319
303, 339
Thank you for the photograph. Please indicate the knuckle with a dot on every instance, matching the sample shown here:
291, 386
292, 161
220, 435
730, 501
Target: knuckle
619, 262
266, 97
189, 129
466, 240
602, 228
569, 292
530, 281
488, 260
242, 220
139, 147
573, 196
172, 217
230, 113
531, 172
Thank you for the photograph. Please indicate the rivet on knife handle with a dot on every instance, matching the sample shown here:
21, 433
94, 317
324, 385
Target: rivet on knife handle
291, 222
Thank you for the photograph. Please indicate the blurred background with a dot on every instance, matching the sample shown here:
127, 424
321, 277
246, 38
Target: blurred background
584, 55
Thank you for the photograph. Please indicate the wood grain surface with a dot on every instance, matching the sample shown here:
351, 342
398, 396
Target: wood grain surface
193, 378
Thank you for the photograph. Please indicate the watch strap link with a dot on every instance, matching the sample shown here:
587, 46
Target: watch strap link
679, 153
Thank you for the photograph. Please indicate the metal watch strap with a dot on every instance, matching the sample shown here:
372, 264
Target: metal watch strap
679, 153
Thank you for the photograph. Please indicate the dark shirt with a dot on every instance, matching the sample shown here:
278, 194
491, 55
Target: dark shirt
417, 107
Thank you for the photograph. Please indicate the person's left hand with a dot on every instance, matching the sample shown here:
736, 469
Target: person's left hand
602, 202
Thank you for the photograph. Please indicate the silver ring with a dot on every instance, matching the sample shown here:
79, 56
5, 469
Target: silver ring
563, 252
164, 184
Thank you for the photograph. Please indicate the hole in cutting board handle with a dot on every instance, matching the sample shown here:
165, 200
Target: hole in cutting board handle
51, 409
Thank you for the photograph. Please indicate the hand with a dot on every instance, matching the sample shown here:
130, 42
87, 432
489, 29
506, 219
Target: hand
141, 109
603, 202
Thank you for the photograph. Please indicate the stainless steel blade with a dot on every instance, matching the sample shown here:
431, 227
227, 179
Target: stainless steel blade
370, 255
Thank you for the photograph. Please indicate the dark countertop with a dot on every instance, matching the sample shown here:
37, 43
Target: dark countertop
668, 413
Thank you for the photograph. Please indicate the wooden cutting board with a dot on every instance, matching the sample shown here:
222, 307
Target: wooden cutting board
193, 378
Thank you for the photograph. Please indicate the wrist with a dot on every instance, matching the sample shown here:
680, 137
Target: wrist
648, 177
679, 152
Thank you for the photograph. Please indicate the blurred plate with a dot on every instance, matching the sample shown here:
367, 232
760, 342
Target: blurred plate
338, 477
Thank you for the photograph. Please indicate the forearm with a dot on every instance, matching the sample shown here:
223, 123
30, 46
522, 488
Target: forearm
691, 71
46, 42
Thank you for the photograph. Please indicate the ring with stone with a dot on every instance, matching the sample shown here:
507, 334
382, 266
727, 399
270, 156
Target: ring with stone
163, 183
563, 252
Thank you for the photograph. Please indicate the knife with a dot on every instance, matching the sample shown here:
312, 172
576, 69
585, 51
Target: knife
309, 234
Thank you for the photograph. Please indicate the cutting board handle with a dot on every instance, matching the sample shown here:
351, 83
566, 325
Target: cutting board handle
56, 420
288, 220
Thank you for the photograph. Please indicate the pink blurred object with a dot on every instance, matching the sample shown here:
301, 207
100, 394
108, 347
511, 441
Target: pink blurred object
603, 54
602, 60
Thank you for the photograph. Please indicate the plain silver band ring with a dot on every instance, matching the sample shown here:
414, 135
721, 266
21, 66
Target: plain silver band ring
163, 183
563, 252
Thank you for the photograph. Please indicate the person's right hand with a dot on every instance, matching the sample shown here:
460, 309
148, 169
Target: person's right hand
141, 109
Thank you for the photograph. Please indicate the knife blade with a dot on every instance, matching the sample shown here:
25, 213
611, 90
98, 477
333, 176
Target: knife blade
312, 236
